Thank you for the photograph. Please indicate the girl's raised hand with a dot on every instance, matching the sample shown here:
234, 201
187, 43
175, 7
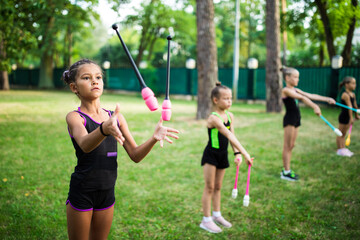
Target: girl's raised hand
111, 126
161, 132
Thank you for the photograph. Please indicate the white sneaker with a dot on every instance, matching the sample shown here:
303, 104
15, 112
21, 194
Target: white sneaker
220, 220
344, 152
210, 227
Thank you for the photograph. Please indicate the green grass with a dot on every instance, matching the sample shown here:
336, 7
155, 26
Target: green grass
160, 198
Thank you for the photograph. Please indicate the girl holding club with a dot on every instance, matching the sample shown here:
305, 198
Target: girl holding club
346, 116
290, 96
95, 133
215, 157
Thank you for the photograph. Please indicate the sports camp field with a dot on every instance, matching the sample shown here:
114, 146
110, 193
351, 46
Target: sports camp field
160, 197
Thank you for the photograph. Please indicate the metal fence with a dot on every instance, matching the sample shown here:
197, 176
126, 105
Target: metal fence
183, 81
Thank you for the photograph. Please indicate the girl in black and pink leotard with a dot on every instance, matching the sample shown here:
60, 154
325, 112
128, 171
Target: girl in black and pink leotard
95, 133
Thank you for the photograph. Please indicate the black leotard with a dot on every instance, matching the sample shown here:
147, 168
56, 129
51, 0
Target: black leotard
215, 152
344, 117
292, 116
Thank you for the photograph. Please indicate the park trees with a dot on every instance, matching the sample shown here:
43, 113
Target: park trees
53, 16
327, 27
206, 56
16, 35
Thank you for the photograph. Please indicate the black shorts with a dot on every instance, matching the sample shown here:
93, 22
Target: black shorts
344, 118
292, 120
95, 200
217, 158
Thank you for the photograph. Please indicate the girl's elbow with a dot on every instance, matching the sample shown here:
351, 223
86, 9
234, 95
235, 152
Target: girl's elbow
135, 158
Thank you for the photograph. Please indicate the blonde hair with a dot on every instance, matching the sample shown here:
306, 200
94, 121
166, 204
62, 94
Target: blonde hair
287, 71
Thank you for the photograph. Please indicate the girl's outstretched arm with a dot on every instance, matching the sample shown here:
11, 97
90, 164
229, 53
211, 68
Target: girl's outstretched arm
316, 97
214, 121
300, 96
138, 152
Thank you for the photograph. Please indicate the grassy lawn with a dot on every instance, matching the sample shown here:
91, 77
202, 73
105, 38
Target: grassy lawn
160, 198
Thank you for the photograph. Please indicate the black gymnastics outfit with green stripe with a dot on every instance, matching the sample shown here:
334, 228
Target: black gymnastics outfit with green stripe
215, 152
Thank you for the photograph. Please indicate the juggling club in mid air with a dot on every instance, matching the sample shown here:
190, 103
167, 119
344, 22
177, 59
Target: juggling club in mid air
146, 93
166, 106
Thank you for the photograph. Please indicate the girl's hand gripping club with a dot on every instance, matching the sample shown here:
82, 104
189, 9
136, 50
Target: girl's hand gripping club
166, 106
346, 106
246, 200
347, 142
337, 131
146, 93
235, 191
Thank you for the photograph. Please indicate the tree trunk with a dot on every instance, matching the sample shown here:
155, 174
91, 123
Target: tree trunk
4, 81
284, 32
46, 64
327, 28
68, 46
273, 76
4, 78
206, 56
346, 53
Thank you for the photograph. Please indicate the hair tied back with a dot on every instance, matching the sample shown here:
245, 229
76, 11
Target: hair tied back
66, 75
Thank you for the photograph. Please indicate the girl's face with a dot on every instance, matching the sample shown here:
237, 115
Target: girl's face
351, 86
89, 82
225, 99
293, 79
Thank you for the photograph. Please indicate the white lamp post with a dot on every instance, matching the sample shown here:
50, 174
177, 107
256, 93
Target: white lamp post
190, 64
336, 62
106, 66
252, 65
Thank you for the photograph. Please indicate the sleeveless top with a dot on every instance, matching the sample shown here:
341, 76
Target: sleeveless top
344, 117
217, 141
292, 107
96, 170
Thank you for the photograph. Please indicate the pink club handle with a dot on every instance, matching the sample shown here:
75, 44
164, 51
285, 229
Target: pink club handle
350, 129
248, 181
236, 178
150, 99
166, 110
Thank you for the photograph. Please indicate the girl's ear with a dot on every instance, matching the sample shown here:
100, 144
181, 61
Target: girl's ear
215, 100
73, 88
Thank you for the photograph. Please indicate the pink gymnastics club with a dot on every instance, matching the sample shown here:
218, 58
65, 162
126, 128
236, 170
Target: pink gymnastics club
146, 93
166, 106
246, 197
235, 191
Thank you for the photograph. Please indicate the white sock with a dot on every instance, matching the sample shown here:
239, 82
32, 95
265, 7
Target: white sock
216, 214
287, 172
207, 219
